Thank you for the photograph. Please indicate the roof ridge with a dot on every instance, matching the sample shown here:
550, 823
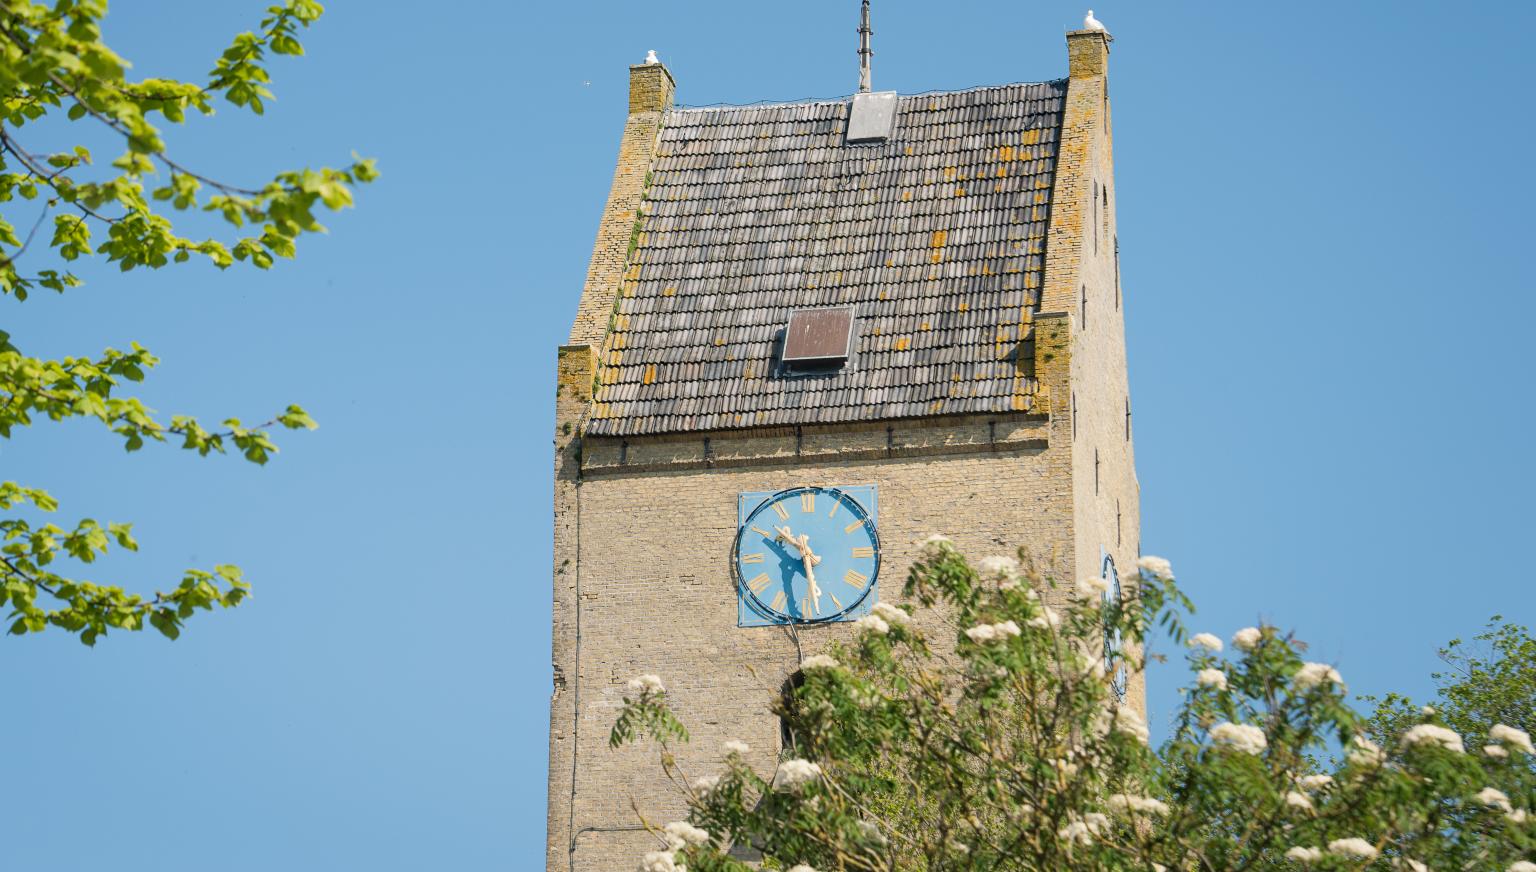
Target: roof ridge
818, 101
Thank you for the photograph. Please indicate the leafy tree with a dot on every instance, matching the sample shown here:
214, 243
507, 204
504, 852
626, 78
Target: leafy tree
1012, 749
1490, 681
55, 68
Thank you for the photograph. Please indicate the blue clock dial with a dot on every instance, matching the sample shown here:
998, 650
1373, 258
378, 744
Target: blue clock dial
806, 555
1112, 640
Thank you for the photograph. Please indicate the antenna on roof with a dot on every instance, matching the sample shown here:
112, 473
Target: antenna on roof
864, 51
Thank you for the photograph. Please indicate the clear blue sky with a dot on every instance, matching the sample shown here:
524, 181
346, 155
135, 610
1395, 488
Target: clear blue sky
1329, 303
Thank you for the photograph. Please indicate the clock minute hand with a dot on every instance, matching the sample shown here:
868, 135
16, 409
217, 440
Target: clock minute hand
808, 560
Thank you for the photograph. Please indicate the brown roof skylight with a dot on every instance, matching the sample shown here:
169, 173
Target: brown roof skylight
818, 337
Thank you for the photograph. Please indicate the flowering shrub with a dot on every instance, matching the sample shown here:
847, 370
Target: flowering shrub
1017, 752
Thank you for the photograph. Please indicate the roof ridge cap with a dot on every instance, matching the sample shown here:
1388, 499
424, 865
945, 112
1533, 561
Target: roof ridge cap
823, 101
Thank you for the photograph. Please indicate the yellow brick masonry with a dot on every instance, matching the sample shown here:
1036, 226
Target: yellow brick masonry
644, 527
1081, 279
650, 94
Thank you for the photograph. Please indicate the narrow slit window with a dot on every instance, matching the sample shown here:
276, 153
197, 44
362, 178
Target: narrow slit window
1095, 217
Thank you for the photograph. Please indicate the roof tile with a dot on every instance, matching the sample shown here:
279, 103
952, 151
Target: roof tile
935, 236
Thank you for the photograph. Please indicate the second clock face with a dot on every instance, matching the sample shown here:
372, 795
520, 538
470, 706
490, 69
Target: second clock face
806, 554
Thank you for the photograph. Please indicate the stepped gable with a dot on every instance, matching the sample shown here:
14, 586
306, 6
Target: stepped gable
936, 236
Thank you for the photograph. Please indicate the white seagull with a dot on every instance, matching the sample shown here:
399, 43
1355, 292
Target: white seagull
650, 56
1091, 23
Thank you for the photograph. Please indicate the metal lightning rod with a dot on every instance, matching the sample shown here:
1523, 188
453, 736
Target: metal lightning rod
864, 51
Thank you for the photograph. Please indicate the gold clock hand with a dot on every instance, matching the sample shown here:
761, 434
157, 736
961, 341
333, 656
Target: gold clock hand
808, 561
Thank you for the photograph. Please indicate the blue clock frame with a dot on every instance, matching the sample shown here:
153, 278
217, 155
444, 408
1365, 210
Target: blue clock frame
822, 525
1112, 640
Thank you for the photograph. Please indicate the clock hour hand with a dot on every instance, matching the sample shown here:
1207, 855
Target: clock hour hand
808, 560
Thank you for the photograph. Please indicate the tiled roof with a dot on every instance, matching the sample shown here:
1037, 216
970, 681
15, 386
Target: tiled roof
936, 236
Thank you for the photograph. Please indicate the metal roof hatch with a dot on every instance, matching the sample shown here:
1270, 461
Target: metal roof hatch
871, 117
818, 340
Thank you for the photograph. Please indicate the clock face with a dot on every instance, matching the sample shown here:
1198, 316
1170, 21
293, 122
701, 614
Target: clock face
806, 555
1112, 640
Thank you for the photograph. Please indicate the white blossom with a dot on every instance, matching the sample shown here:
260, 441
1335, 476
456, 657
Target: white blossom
681, 833
1410, 864
1433, 734
1426, 711
735, 746
1212, 678
1523, 866
1047, 619
984, 633
1092, 587
1304, 855
936, 543
704, 784
660, 861
794, 773
1075, 832
1493, 797
1066, 767
801, 867
1314, 782
818, 661
1298, 801
1156, 567
1127, 804
872, 624
646, 684
1516, 815
1312, 675
1239, 737
1205, 640
1127, 721
1508, 736
891, 614
1014, 583
1356, 848
1247, 638
1097, 823
1497, 752
1364, 752
999, 566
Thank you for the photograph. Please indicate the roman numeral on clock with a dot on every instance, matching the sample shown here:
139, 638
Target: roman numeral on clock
758, 558
856, 579
759, 584
782, 512
863, 551
808, 501
778, 601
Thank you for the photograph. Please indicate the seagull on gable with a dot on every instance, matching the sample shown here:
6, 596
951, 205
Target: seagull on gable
1090, 23
650, 56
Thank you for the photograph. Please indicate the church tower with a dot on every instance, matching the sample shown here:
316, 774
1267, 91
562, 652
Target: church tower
813, 334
